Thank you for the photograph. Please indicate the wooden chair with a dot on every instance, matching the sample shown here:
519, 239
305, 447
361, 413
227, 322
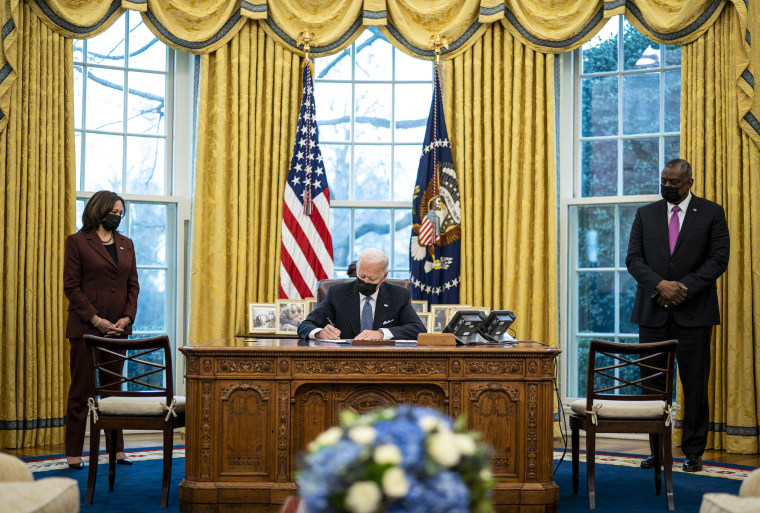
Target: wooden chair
621, 398
112, 408
325, 284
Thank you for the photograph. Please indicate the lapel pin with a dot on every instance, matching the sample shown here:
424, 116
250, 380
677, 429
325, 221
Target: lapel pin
386, 306
694, 209
121, 247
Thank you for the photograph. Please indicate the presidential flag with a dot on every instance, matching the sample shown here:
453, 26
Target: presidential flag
307, 252
436, 214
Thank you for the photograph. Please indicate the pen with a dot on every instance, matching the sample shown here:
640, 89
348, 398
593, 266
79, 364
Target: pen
330, 321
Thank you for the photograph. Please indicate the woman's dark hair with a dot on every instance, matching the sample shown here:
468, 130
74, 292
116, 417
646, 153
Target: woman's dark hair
98, 207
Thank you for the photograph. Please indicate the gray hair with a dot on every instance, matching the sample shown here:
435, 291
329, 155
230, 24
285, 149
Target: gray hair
373, 256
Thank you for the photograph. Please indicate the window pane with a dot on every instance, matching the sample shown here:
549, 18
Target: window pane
402, 235
333, 104
374, 56
599, 168
599, 111
672, 55
627, 213
148, 224
145, 166
146, 103
596, 236
103, 161
80, 211
411, 68
640, 112
105, 101
641, 158
371, 229
145, 50
336, 67
672, 101
412, 109
372, 176
596, 302
672, 148
108, 48
406, 163
341, 236
78, 91
601, 53
337, 158
373, 108
78, 153
627, 295
638, 51
151, 305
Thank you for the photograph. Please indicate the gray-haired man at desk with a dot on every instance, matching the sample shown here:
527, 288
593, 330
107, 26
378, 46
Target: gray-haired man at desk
366, 308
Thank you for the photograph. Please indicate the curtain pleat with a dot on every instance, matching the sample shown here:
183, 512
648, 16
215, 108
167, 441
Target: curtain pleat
725, 164
499, 104
36, 214
250, 92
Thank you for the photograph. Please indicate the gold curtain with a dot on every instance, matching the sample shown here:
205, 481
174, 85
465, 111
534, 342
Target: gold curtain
726, 164
249, 100
499, 107
36, 213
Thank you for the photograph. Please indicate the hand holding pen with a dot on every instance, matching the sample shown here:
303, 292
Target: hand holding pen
329, 332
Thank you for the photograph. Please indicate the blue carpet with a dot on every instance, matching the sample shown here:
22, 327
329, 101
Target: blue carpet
620, 489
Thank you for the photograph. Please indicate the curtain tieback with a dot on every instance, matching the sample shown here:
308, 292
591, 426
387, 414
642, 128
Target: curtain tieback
592, 413
669, 420
170, 410
93, 408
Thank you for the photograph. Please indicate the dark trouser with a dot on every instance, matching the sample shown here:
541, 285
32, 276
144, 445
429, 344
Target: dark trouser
693, 357
79, 392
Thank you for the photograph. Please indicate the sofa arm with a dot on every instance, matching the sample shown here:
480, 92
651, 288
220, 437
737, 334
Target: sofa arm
13, 469
751, 486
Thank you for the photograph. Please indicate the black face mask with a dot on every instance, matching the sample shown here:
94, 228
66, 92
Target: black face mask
111, 222
670, 194
365, 288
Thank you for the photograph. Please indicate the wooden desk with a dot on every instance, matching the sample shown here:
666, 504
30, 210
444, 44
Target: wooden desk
253, 406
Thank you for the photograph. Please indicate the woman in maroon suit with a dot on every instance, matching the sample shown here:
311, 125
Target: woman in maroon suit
100, 281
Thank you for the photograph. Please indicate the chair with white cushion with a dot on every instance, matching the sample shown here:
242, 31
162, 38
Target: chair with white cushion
150, 405
621, 398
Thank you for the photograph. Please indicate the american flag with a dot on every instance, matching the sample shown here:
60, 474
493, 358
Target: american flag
307, 252
436, 214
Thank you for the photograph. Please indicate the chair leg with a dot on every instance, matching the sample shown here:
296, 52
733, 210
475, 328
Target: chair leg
575, 436
168, 450
658, 464
669, 471
111, 459
591, 467
92, 470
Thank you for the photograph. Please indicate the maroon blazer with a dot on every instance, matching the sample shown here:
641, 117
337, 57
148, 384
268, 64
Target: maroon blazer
95, 284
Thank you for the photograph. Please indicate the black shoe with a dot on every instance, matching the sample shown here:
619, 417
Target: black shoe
124, 461
77, 466
692, 465
647, 462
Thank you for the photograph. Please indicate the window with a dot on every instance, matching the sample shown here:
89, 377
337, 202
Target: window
625, 122
372, 107
123, 91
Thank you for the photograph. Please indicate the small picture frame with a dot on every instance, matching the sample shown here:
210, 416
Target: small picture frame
419, 305
425, 317
290, 313
262, 317
439, 317
453, 309
311, 304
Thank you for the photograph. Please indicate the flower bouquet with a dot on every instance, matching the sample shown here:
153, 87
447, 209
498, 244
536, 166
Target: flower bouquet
408, 459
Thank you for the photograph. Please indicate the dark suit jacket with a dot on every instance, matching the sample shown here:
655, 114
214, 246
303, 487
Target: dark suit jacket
95, 284
341, 306
699, 258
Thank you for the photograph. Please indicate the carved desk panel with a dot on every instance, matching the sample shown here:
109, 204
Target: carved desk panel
252, 407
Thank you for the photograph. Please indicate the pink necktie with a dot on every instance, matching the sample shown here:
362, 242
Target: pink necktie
673, 228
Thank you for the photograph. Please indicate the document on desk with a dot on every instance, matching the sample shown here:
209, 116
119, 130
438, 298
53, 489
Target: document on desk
346, 341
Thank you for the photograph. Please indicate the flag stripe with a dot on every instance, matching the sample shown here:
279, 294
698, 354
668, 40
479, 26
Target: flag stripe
307, 234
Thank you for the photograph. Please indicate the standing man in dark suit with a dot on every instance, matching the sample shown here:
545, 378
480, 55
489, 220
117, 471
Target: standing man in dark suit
678, 247
364, 309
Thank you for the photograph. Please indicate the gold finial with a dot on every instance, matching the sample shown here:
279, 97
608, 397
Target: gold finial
435, 42
306, 39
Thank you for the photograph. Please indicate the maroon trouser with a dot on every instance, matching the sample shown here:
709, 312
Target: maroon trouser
79, 392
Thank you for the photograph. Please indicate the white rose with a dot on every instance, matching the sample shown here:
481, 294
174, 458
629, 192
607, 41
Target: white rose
362, 435
465, 444
443, 449
326, 438
428, 423
387, 453
363, 497
485, 474
395, 484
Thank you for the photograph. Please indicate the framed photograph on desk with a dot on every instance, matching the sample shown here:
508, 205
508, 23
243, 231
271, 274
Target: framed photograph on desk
419, 305
311, 304
262, 317
439, 317
425, 318
290, 313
